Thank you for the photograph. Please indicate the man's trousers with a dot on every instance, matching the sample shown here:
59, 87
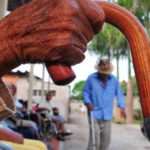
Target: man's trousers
102, 130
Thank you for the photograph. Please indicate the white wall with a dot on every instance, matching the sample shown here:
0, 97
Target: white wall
61, 100
22, 88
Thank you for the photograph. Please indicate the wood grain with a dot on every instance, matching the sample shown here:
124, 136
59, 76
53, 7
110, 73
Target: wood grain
61, 73
138, 40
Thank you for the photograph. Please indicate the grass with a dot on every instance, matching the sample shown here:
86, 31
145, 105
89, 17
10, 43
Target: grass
137, 121
118, 122
124, 122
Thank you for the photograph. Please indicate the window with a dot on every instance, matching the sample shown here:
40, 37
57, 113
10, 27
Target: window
39, 92
45, 91
53, 93
34, 92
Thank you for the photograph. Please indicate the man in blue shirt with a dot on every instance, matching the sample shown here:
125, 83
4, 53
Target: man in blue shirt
98, 94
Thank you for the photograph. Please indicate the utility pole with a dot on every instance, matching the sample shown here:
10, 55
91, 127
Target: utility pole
3, 8
42, 93
30, 86
48, 83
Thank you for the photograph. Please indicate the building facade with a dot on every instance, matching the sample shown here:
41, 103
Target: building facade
60, 97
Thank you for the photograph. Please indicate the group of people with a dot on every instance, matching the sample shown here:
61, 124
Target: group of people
58, 31
98, 94
29, 120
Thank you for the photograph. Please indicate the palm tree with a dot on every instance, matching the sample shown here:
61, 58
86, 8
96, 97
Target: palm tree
137, 9
145, 5
118, 46
130, 5
109, 43
129, 102
100, 45
112, 43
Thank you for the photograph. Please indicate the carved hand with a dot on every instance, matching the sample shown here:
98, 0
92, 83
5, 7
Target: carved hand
51, 30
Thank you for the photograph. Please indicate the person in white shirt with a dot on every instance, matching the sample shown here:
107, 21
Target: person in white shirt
53, 113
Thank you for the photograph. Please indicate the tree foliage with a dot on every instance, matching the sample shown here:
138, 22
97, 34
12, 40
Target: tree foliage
77, 97
124, 87
134, 86
111, 42
78, 87
77, 90
100, 45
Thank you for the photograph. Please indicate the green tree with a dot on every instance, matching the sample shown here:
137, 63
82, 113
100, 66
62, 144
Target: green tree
135, 7
114, 44
77, 90
111, 43
145, 7
131, 6
100, 45
124, 87
134, 86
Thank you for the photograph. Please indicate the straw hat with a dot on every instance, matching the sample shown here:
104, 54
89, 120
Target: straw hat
104, 66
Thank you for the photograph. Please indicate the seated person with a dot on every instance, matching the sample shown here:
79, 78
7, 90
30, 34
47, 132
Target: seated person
32, 115
25, 133
46, 105
21, 122
17, 141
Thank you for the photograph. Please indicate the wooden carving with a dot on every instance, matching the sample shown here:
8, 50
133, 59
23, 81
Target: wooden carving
46, 31
61, 74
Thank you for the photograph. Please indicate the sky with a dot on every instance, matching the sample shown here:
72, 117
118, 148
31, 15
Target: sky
82, 70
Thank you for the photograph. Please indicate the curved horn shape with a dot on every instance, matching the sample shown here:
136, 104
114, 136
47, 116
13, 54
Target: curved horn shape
138, 40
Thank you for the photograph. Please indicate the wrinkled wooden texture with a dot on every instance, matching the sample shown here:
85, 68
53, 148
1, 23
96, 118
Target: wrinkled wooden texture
37, 32
138, 40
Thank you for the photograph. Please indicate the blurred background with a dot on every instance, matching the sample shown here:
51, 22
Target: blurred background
33, 81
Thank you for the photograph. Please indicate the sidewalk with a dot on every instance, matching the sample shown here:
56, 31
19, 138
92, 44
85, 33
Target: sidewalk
124, 137
55, 144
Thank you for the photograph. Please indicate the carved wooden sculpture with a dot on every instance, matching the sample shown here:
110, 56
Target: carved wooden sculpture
42, 31
61, 74
138, 40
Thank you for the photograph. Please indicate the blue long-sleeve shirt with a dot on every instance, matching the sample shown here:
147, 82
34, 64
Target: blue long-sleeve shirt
103, 98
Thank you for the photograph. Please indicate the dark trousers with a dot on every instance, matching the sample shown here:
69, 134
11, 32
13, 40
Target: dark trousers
33, 117
26, 134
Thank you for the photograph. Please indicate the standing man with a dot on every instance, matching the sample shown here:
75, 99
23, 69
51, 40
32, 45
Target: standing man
98, 94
